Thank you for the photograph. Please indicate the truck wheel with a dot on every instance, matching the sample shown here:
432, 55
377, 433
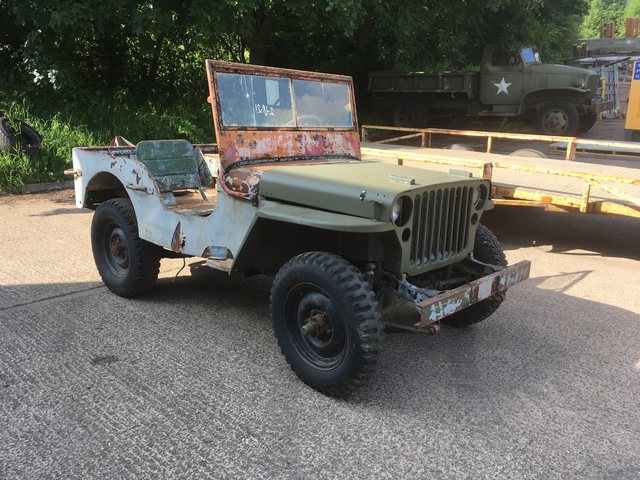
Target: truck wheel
587, 121
128, 265
488, 250
327, 322
409, 115
558, 118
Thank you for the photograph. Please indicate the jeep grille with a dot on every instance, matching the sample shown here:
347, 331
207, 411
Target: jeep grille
440, 224
593, 84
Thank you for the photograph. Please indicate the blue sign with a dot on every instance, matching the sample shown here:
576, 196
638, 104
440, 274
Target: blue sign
636, 71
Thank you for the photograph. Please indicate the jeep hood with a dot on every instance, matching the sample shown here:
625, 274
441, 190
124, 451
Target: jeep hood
361, 188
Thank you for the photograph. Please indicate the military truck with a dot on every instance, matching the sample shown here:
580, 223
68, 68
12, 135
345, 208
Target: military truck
285, 192
561, 100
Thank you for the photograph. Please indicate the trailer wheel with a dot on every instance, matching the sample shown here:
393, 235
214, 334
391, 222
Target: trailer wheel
487, 249
409, 115
587, 121
128, 265
558, 118
327, 322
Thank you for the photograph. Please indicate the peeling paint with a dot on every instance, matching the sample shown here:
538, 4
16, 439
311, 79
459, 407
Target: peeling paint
449, 302
440, 310
178, 239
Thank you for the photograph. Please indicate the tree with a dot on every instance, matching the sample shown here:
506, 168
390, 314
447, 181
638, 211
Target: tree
147, 47
605, 10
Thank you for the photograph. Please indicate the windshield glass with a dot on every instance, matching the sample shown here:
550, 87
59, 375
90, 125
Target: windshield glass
260, 101
530, 55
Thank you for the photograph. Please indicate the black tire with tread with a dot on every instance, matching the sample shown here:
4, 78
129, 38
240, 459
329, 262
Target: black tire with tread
487, 249
568, 110
344, 285
143, 257
587, 121
27, 139
408, 114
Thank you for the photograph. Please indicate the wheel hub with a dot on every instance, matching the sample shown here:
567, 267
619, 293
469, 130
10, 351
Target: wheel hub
116, 249
556, 121
316, 327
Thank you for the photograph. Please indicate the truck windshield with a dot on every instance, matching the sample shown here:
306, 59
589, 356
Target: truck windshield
530, 55
261, 101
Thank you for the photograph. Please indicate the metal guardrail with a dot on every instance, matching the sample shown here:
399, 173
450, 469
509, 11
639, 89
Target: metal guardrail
528, 198
425, 135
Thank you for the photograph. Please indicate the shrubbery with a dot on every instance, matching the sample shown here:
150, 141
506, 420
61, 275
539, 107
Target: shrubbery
91, 121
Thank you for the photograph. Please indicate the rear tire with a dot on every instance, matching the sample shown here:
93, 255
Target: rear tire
128, 265
339, 355
409, 115
488, 250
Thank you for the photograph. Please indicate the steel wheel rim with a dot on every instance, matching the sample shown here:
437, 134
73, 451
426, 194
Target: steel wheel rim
327, 350
556, 121
115, 250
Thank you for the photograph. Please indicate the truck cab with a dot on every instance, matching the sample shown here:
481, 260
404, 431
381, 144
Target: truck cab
516, 82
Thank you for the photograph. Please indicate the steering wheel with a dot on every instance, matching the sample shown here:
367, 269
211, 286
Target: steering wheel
305, 121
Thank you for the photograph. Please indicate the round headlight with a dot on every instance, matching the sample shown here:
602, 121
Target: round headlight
480, 196
401, 210
396, 210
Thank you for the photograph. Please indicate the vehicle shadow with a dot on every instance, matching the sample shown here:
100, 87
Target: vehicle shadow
546, 369
567, 233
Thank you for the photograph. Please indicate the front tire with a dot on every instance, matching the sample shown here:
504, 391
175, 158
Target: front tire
587, 121
558, 118
128, 265
327, 322
487, 249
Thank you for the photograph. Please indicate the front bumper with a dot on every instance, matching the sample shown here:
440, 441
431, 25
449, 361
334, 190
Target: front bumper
604, 105
436, 308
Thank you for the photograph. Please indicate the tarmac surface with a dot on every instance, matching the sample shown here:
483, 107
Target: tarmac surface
188, 382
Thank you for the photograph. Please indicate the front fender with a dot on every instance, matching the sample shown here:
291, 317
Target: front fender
569, 94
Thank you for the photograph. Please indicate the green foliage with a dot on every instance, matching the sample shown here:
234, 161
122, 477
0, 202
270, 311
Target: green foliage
632, 9
606, 10
92, 69
91, 121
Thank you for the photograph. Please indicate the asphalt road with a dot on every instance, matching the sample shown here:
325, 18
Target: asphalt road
188, 382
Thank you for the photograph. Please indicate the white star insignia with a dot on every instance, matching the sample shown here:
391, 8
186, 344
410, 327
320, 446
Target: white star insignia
502, 87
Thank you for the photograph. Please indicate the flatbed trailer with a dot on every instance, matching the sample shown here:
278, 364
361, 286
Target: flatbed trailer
555, 185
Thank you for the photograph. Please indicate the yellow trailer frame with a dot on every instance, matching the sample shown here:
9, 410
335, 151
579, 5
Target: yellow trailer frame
618, 202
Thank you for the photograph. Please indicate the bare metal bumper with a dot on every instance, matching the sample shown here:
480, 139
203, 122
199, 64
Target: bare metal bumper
447, 303
605, 105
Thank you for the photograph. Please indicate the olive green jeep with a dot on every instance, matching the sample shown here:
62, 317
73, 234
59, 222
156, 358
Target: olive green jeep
285, 192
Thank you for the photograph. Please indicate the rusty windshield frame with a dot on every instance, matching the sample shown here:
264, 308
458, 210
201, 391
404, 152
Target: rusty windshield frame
216, 67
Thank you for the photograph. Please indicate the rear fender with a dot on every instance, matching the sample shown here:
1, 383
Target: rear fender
186, 233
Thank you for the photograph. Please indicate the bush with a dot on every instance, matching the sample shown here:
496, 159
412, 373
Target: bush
88, 120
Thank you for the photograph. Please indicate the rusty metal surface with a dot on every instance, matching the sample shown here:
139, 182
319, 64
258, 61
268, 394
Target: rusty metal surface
452, 301
247, 145
242, 146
